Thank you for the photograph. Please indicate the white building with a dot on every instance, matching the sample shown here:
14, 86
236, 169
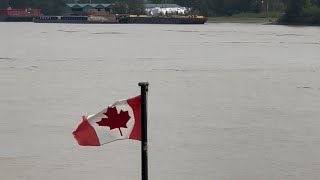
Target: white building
156, 9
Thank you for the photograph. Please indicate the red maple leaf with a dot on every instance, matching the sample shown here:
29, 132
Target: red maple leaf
115, 120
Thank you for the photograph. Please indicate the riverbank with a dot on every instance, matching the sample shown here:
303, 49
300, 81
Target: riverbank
239, 20
247, 18
250, 94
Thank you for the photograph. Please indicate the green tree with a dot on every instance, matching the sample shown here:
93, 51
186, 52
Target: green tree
315, 3
18, 4
49, 7
295, 7
120, 7
3, 4
136, 7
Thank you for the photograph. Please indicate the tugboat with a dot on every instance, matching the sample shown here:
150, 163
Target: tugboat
19, 15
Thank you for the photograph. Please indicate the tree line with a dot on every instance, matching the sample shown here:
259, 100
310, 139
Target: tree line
302, 12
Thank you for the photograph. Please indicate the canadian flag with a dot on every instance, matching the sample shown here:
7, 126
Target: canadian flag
120, 120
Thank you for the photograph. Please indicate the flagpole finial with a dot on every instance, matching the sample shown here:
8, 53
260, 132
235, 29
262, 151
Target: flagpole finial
143, 83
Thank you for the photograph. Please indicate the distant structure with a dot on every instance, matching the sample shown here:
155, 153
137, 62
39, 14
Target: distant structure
164, 9
88, 9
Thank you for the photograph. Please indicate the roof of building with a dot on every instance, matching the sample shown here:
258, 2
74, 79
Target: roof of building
71, 5
163, 6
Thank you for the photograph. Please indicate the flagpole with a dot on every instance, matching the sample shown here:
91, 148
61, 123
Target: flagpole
144, 139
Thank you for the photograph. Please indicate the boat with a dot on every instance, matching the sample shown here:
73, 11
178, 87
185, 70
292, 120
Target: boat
60, 19
154, 16
19, 15
76, 19
145, 19
122, 19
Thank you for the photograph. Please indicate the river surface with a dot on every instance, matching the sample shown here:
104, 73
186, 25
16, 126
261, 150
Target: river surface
226, 101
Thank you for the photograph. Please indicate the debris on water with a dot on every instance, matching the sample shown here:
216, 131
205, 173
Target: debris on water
6, 58
32, 67
290, 34
66, 31
108, 33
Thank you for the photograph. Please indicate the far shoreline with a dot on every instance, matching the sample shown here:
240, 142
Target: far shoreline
254, 20
232, 19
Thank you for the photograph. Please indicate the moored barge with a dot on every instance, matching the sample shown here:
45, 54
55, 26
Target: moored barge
142, 19
76, 19
122, 19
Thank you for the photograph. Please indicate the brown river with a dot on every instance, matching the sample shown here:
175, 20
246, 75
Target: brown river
227, 101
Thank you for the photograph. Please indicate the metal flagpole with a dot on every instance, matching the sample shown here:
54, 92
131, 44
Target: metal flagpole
144, 139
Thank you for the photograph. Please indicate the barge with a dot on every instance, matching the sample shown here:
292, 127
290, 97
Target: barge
142, 19
122, 19
61, 19
76, 19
